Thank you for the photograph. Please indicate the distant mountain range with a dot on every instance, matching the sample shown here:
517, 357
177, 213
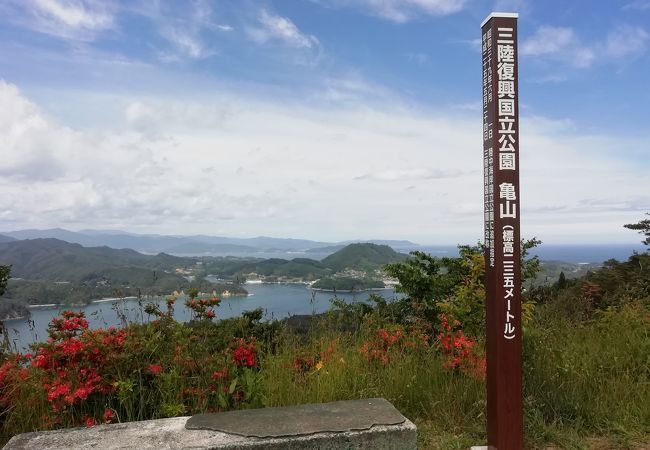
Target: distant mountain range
197, 245
54, 259
269, 247
6, 239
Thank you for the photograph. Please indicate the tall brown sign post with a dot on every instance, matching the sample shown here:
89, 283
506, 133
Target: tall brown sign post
502, 237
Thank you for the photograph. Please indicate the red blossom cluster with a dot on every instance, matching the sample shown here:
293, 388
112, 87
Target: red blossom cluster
306, 362
69, 325
458, 349
71, 365
244, 353
221, 375
377, 348
155, 369
303, 364
203, 308
108, 416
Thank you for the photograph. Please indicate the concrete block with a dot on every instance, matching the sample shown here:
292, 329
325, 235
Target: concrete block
347, 425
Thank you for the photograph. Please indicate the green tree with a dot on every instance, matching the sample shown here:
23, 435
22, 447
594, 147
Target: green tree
4, 277
643, 227
455, 286
426, 280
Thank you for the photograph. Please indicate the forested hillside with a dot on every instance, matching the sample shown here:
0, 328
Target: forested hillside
363, 256
54, 271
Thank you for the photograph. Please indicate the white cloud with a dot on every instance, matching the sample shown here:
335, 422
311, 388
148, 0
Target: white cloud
558, 42
227, 164
548, 40
277, 28
69, 19
186, 43
626, 41
183, 25
639, 5
562, 44
401, 11
414, 174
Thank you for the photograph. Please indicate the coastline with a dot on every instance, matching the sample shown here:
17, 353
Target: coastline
348, 291
112, 299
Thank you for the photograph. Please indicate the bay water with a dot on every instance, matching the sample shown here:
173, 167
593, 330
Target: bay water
276, 300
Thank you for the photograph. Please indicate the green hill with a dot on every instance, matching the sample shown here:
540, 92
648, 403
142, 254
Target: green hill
55, 271
362, 257
304, 268
53, 259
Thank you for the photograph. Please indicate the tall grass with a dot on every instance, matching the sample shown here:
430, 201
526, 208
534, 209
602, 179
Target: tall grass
590, 378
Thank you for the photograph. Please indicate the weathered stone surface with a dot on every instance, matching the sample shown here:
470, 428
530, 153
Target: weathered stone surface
300, 420
172, 434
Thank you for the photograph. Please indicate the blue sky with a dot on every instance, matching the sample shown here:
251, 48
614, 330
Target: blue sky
323, 119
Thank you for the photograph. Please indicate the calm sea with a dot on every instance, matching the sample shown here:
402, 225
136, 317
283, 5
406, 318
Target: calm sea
277, 300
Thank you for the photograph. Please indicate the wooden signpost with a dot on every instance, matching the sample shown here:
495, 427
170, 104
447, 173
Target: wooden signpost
502, 237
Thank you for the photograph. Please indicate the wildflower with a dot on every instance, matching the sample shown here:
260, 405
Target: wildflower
89, 421
82, 393
58, 390
303, 365
108, 415
319, 365
155, 369
220, 375
245, 354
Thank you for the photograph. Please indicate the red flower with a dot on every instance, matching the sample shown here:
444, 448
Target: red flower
220, 375
155, 369
243, 353
89, 421
58, 390
82, 393
108, 415
244, 356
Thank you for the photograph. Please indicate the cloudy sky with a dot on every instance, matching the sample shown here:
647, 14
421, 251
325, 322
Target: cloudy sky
320, 119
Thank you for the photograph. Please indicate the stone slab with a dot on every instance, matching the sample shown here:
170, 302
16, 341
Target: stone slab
172, 434
300, 420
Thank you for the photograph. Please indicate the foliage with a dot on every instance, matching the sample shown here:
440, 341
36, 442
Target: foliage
591, 378
364, 256
454, 286
613, 285
643, 227
53, 259
5, 272
426, 280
